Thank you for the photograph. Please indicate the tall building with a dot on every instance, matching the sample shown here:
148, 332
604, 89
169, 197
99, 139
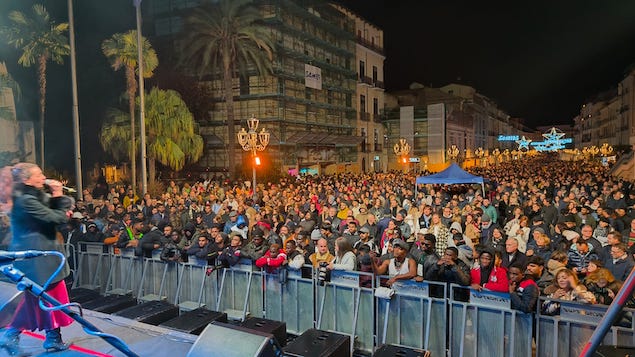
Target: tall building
308, 104
435, 119
17, 138
370, 93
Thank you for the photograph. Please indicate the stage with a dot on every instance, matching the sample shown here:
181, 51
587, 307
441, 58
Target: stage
143, 339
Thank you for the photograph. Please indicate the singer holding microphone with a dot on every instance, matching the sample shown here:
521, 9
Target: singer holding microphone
34, 218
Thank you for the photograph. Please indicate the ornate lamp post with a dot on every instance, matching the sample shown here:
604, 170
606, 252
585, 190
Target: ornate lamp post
402, 149
606, 149
453, 152
496, 153
253, 141
479, 152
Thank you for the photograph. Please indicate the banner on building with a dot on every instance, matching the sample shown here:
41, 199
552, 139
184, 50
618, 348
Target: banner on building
312, 76
436, 133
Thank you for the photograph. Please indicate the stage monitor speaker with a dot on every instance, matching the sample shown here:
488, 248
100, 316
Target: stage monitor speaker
10, 297
195, 321
225, 340
151, 312
399, 351
614, 351
277, 328
319, 343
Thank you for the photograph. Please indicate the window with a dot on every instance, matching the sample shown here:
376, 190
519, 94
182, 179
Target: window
362, 69
375, 106
362, 103
374, 74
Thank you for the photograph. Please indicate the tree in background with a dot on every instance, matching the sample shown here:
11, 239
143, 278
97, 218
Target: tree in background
40, 39
121, 50
226, 39
171, 130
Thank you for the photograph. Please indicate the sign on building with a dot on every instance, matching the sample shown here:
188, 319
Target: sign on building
312, 76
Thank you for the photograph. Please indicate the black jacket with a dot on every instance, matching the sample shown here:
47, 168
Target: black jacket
34, 219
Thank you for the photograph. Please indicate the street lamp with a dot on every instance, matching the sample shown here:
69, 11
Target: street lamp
453, 152
402, 149
496, 154
606, 149
479, 152
253, 141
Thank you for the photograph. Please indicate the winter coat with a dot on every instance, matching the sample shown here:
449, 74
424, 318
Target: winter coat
34, 219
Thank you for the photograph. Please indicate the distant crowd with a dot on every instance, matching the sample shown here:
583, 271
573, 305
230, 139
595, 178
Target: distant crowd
544, 227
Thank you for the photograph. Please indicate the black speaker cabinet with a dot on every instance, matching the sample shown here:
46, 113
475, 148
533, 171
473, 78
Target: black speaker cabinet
398, 351
111, 303
277, 328
83, 295
151, 312
319, 343
195, 321
614, 351
225, 340
10, 297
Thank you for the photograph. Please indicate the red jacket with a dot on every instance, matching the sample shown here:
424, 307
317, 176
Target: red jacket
271, 263
497, 279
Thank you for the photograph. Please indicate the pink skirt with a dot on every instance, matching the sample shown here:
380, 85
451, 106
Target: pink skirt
29, 315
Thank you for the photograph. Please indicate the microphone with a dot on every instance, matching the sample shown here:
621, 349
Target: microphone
6, 256
48, 182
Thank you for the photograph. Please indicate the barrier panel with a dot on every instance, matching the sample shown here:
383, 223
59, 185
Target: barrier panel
241, 291
413, 317
125, 272
93, 265
194, 289
345, 307
575, 322
487, 326
290, 301
158, 279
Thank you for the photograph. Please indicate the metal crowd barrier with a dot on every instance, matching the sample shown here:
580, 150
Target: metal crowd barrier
241, 291
125, 272
415, 316
575, 322
194, 288
287, 300
419, 315
155, 284
343, 306
93, 265
487, 326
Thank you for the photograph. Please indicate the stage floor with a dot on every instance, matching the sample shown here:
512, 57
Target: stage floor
142, 339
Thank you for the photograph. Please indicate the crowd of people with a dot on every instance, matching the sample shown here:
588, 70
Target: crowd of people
543, 227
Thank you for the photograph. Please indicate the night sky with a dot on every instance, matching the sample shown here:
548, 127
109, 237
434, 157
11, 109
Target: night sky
538, 60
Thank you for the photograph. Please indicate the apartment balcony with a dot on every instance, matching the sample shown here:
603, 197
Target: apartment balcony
377, 118
363, 116
379, 84
378, 147
366, 80
368, 44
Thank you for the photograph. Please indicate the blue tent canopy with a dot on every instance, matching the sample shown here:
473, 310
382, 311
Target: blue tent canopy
451, 176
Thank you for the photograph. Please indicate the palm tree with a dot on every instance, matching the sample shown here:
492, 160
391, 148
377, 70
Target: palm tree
121, 50
40, 39
171, 132
227, 39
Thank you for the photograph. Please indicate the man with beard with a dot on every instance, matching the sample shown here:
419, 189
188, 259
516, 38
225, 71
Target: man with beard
427, 257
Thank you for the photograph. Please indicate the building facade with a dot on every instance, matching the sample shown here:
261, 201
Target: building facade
435, 119
370, 92
309, 103
608, 117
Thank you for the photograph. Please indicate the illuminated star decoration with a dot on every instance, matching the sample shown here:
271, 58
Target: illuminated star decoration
523, 143
553, 135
